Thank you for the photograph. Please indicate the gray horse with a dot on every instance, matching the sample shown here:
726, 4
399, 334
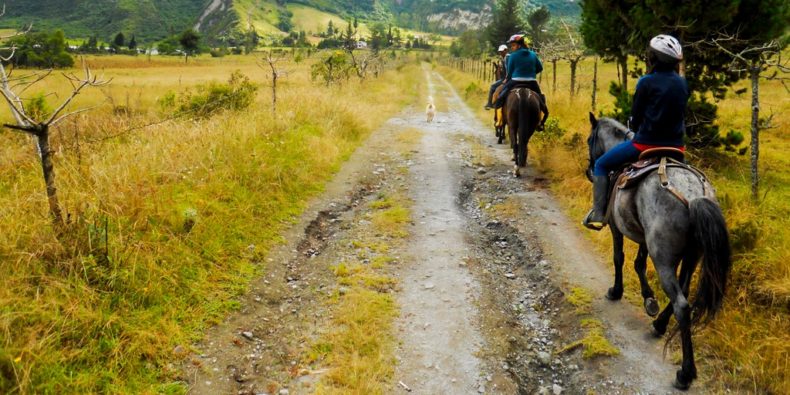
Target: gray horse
670, 231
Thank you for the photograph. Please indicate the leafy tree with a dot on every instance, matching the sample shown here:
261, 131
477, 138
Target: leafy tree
505, 22
119, 40
284, 20
378, 36
42, 50
605, 32
133, 43
617, 28
90, 46
537, 21
251, 40
470, 44
190, 43
330, 29
349, 38
330, 42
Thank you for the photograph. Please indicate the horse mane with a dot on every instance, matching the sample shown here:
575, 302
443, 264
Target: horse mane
619, 129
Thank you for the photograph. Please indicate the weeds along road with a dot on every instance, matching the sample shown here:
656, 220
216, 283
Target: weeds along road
426, 268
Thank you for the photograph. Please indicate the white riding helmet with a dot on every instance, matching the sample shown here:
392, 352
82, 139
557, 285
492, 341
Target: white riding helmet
502, 48
667, 45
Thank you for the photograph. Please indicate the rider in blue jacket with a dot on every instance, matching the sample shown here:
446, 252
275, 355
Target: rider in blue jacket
501, 68
523, 66
657, 115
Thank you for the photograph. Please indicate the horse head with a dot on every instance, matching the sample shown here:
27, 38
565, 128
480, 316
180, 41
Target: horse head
605, 133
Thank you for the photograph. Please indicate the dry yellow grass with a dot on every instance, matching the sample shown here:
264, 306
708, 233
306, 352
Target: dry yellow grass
359, 343
168, 222
748, 345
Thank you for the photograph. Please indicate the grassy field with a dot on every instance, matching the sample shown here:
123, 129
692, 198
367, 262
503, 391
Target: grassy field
168, 223
748, 345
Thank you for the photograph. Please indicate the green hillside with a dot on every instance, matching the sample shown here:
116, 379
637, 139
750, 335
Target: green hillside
152, 20
149, 20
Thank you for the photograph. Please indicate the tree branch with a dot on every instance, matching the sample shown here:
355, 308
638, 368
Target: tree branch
77, 85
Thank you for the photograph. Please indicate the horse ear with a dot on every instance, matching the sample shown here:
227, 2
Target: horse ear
593, 121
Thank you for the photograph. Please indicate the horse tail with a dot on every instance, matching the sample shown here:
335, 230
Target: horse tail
523, 124
709, 232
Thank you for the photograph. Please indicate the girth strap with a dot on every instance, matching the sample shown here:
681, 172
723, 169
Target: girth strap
664, 179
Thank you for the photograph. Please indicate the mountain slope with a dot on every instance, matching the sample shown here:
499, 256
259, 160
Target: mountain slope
152, 20
149, 20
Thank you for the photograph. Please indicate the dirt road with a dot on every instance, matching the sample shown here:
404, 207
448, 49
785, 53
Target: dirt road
497, 288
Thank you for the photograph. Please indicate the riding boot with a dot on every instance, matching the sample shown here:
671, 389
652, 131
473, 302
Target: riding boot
596, 217
545, 110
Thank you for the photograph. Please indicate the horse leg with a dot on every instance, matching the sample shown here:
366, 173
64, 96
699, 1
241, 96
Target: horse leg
686, 271
640, 266
616, 292
665, 266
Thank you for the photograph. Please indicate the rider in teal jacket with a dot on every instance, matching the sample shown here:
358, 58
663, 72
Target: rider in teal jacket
523, 66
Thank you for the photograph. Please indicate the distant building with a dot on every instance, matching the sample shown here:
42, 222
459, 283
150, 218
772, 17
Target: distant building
362, 45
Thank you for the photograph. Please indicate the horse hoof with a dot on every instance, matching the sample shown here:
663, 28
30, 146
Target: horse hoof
614, 294
516, 172
681, 382
651, 307
657, 332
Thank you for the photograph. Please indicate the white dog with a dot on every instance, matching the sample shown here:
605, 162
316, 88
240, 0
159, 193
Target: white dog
430, 110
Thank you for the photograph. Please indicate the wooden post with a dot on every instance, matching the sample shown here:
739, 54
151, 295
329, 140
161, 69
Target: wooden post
554, 75
595, 84
754, 73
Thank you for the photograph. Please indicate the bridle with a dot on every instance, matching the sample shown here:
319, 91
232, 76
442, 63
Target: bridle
593, 143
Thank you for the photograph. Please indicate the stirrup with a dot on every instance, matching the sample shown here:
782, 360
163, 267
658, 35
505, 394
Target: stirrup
596, 226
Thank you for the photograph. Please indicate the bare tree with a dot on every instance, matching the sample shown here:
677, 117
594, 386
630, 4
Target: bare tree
755, 59
271, 61
573, 51
364, 63
40, 125
552, 52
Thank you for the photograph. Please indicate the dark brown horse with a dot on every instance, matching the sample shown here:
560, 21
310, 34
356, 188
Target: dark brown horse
522, 115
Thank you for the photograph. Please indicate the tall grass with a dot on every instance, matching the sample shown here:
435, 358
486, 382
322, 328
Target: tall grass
168, 222
748, 346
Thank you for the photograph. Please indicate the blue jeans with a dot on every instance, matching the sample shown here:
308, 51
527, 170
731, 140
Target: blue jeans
491, 90
621, 154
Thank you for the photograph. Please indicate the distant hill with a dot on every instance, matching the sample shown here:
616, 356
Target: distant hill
149, 20
152, 20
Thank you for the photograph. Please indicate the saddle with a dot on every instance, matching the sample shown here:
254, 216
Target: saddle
649, 161
500, 114
652, 160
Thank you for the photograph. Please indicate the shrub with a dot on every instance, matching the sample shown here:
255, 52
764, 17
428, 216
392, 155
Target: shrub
206, 100
553, 132
332, 69
37, 107
471, 89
